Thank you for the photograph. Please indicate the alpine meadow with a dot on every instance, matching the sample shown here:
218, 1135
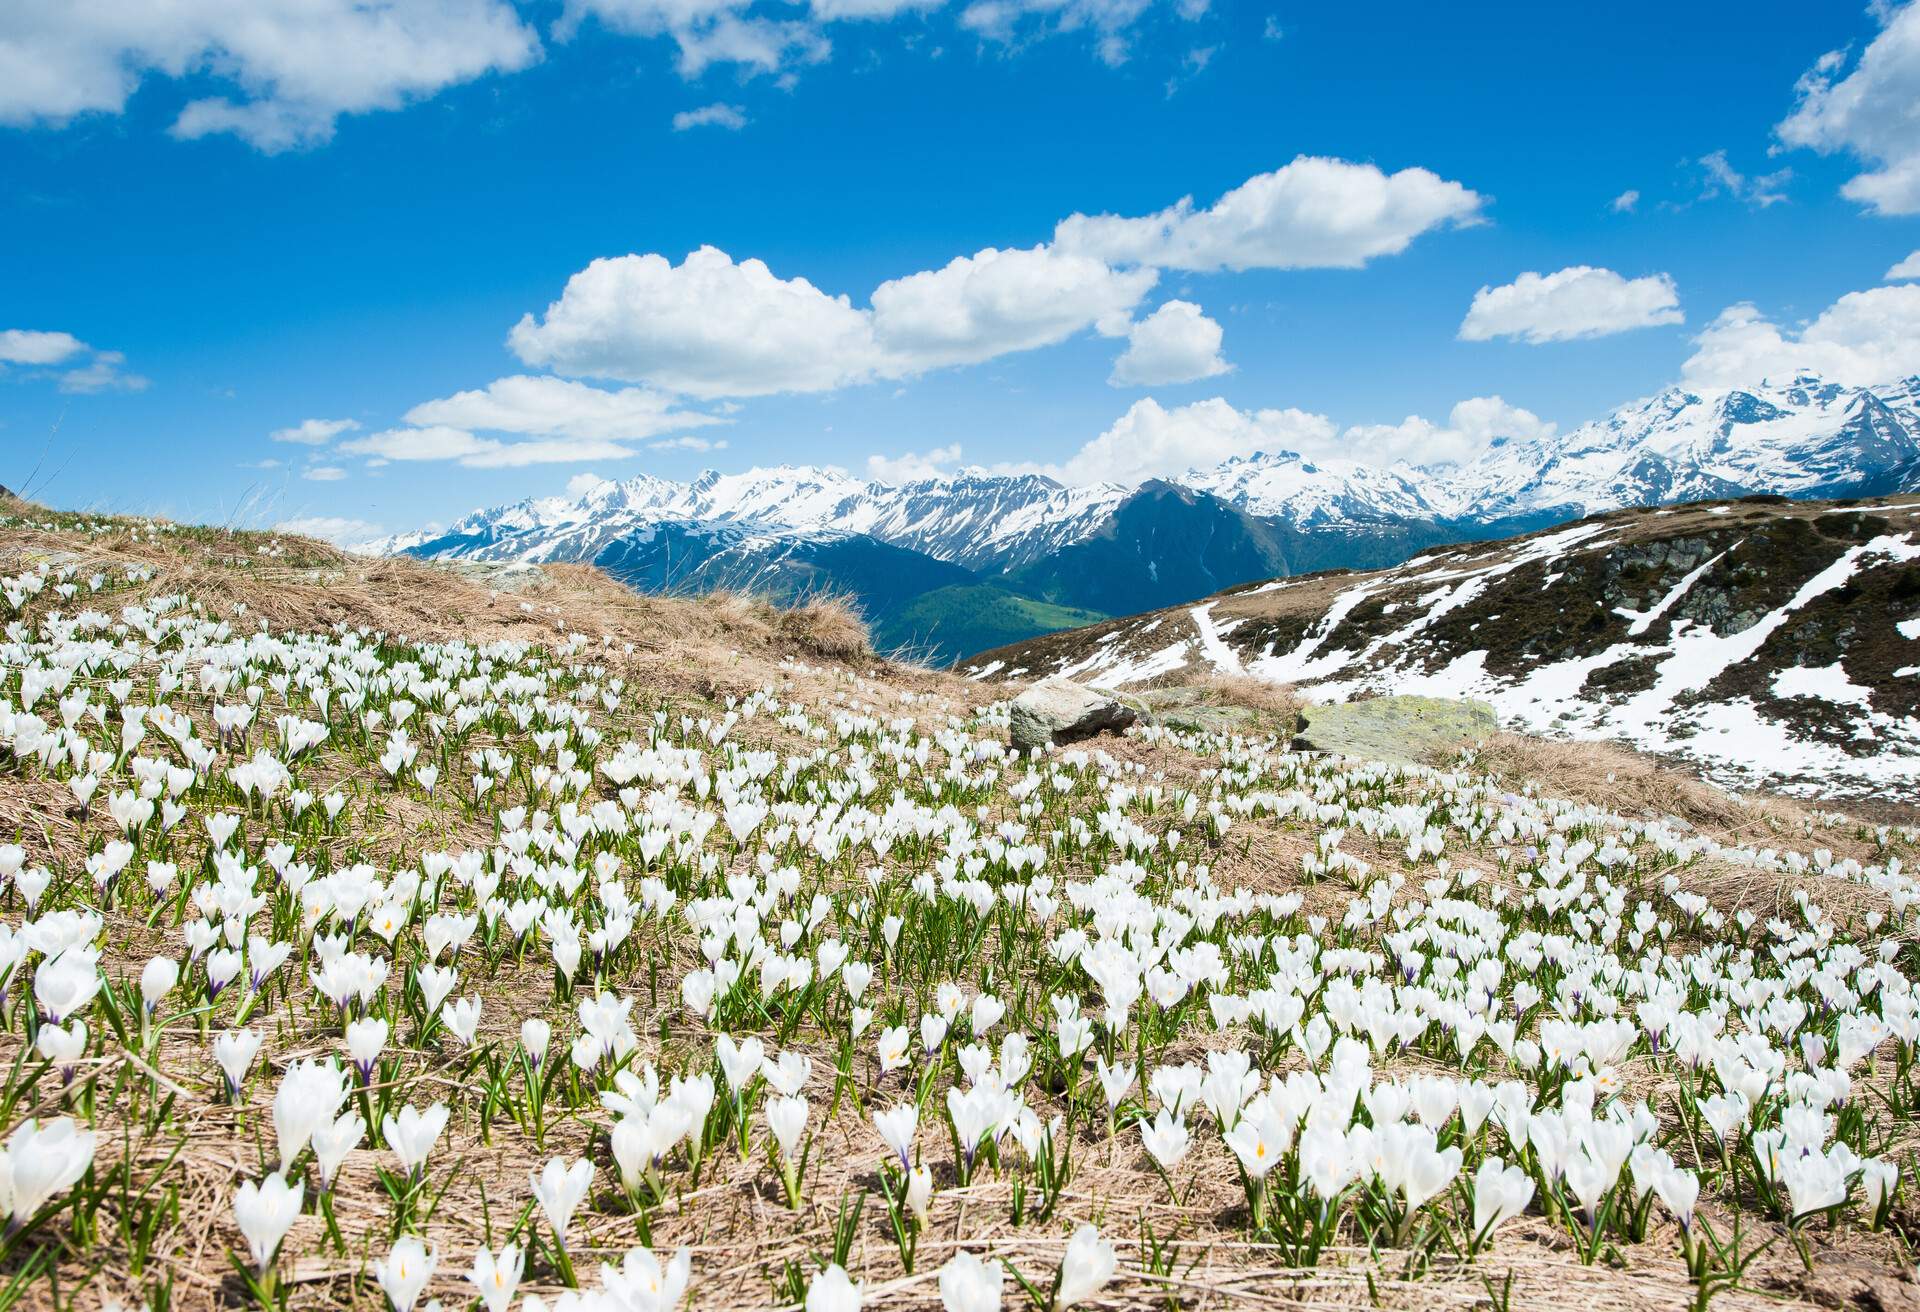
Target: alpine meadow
873, 655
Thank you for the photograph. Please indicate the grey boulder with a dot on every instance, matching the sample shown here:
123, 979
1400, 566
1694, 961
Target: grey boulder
1058, 711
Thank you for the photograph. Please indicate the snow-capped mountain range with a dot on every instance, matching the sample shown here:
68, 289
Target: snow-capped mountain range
981, 521
1802, 437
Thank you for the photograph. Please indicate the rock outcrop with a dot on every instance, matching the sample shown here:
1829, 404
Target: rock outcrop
1058, 711
1403, 730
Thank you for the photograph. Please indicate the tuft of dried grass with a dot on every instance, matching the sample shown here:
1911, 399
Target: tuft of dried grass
825, 626
1278, 699
828, 626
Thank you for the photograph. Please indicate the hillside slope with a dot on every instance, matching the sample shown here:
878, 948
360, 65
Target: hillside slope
938, 626
782, 566
1163, 544
1764, 640
370, 923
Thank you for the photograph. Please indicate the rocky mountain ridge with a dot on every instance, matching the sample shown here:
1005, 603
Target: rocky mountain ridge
1765, 641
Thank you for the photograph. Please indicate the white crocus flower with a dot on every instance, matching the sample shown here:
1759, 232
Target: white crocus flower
412, 1134
833, 1290
265, 1212
41, 1161
496, 1277
404, 1272
968, 1284
1088, 1265
560, 1188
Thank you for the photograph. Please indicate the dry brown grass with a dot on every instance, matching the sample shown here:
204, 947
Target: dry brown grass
1619, 779
1605, 774
1277, 699
829, 627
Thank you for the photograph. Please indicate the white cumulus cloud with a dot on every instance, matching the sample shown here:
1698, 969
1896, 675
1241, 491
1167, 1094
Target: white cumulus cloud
438, 443
557, 407
1155, 441
731, 117
913, 466
1580, 301
706, 32
543, 451
103, 373
314, 432
30, 346
290, 68
1312, 213
706, 327
1177, 343
282, 73
57, 355
1907, 268
1868, 113
709, 327
441, 442
1483, 418
837, 10
1471, 427
1151, 441
1107, 21
337, 529
1863, 338
983, 305
1761, 191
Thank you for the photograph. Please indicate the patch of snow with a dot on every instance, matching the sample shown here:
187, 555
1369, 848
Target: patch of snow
1216, 652
1304, 662
1117, 669
1829, 683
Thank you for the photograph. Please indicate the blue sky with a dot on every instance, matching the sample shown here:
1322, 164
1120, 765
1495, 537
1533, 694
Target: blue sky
240, 232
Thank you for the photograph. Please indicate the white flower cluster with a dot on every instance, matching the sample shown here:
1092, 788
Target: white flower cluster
870, 895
